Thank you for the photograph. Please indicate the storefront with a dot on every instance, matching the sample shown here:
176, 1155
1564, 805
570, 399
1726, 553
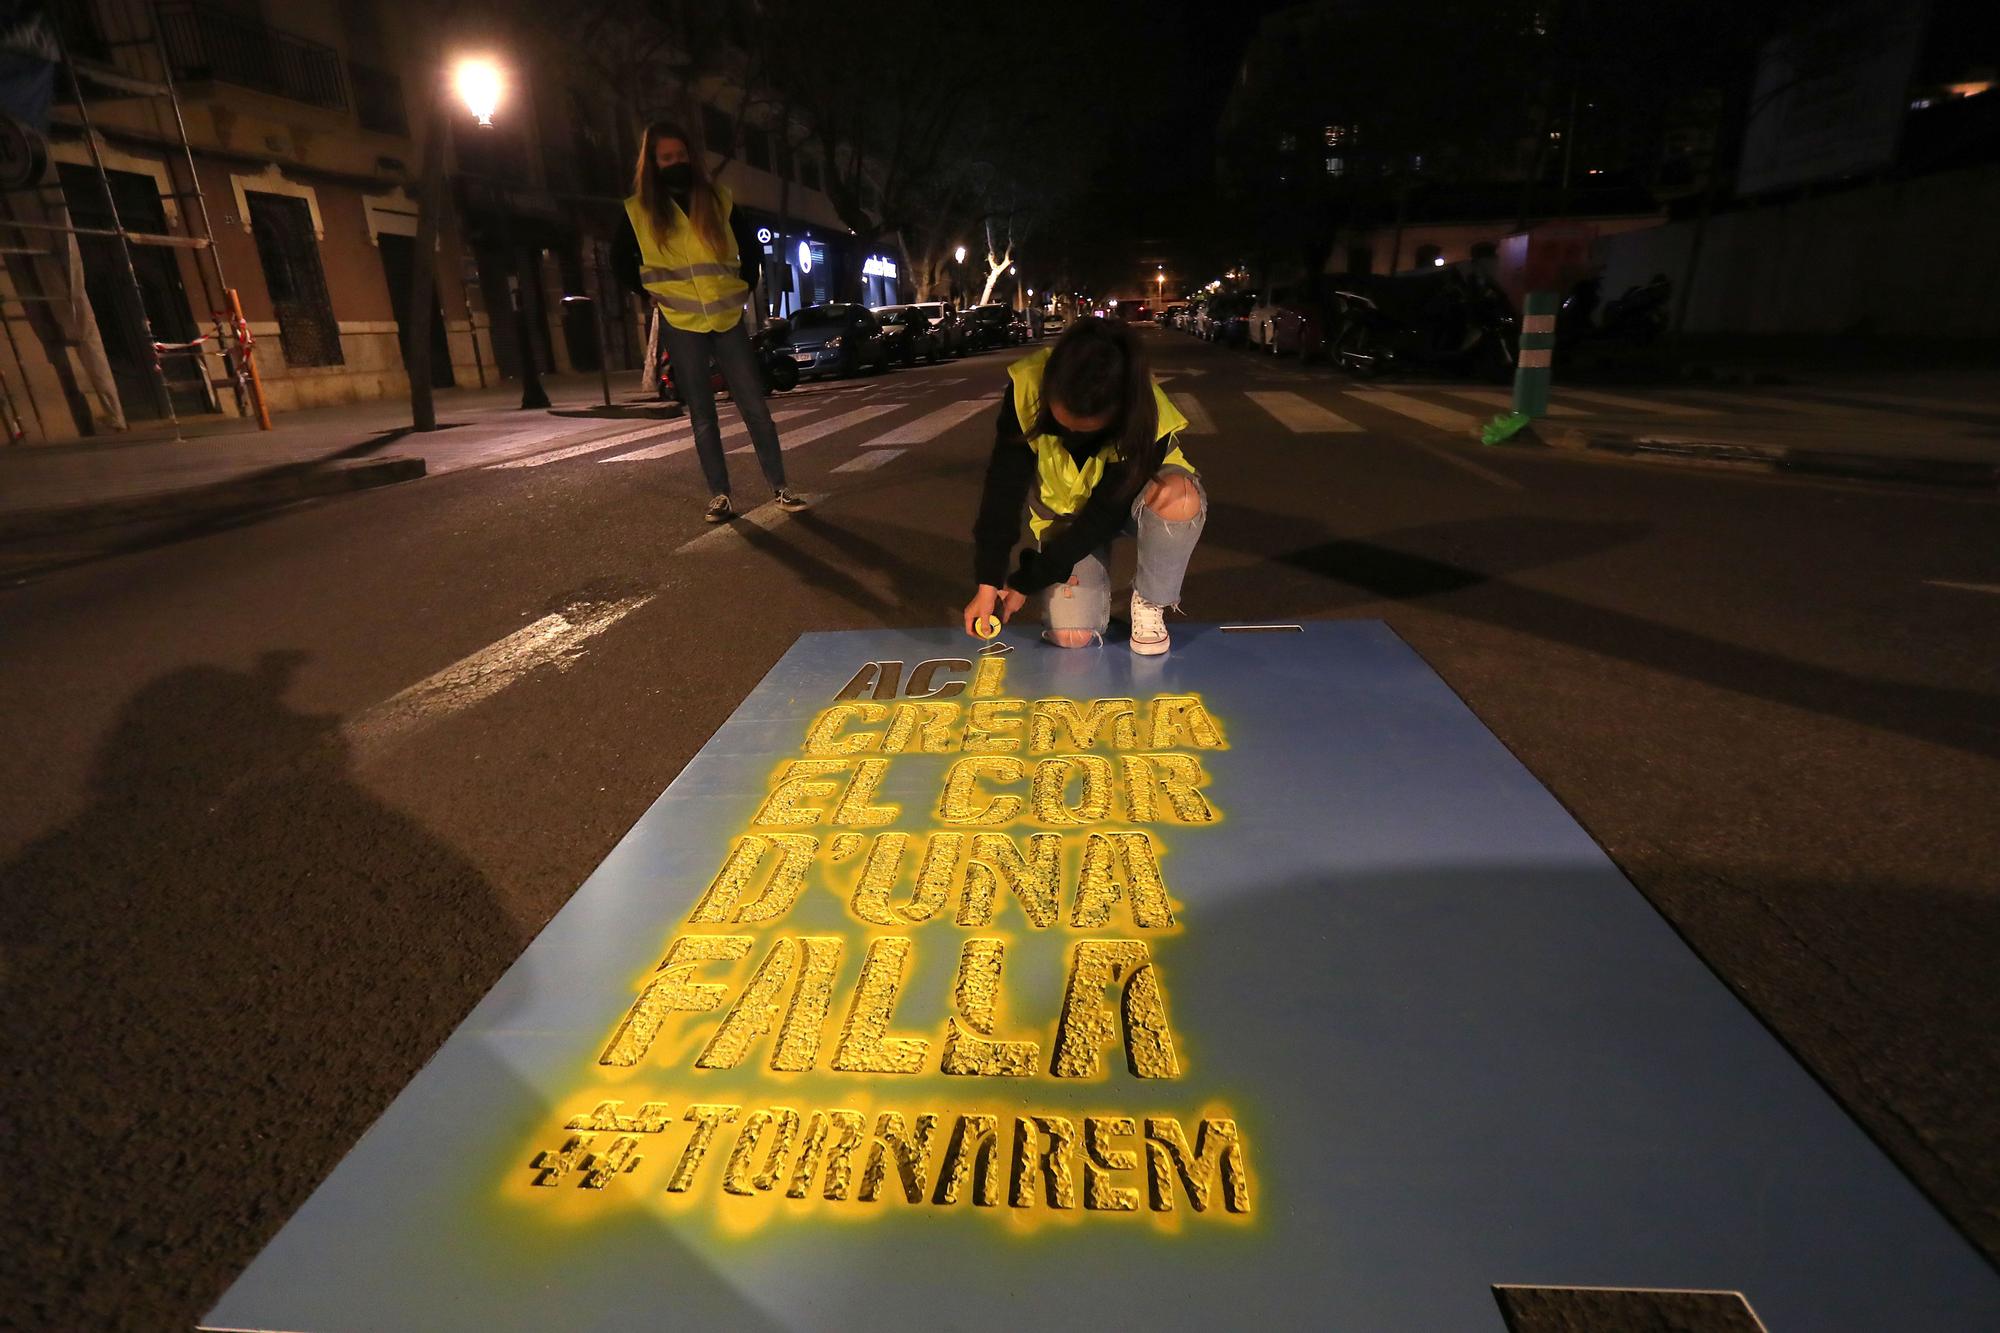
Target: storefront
798, 264
878, 280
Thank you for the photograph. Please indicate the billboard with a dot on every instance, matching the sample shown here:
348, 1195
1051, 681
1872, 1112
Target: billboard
1831, 94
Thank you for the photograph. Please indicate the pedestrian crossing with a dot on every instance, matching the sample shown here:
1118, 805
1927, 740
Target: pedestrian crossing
1299, 414
884, 428
1417, 409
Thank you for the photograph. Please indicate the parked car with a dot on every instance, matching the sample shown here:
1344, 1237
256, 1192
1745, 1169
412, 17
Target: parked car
944, 322
909, 334
1299, 327
775, 367
987, 325
1053, 321
1169, 315
1225, 319
1261, 315
837, 339
1017, 327
1453, 321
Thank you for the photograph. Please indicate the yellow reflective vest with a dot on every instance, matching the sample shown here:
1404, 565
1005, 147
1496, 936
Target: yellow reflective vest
700, 290
1062, 485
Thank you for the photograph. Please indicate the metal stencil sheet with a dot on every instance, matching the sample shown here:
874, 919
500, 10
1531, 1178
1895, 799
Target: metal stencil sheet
1415, 1034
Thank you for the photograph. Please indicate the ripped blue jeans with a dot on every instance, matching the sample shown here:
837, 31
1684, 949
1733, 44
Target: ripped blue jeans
1164, 551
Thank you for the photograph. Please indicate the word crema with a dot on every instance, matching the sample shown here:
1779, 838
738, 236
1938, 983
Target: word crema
813, 952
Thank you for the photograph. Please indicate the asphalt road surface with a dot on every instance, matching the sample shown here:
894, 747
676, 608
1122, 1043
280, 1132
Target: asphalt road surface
278, 803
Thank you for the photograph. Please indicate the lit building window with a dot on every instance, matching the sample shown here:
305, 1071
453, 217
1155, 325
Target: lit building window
1336, 166
1336, 135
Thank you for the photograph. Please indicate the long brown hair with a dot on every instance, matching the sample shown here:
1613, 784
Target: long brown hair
1098, 367
704, 206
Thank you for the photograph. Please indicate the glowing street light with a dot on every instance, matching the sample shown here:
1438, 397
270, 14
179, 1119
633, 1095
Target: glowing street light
959, 254
480, 86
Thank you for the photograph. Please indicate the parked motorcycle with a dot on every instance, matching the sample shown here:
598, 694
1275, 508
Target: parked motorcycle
1640, 315
775, 367
1456, 323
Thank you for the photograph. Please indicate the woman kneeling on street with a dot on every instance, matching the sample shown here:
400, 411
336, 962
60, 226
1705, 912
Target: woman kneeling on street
1087, 445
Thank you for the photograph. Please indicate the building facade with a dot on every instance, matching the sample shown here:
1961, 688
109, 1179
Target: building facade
305, 123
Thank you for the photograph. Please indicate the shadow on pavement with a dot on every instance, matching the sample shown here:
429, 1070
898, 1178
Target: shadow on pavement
1479, 556
217, 975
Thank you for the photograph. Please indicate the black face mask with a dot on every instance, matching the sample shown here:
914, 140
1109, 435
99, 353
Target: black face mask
678, 178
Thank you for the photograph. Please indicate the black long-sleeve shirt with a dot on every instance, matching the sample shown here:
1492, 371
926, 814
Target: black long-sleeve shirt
626, 262
1010, 472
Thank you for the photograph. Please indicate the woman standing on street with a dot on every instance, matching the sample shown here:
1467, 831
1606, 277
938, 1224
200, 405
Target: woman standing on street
686, 251
1087, 443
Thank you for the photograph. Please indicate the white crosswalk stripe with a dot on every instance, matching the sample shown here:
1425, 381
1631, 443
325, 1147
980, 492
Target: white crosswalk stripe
1619, 400
874, 458
589, 446
932, 424
682, 438
1504, 400
1298, 414
792, 439
1417, 409
1197, 415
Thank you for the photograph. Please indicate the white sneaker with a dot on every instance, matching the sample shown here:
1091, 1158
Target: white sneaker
1149, 627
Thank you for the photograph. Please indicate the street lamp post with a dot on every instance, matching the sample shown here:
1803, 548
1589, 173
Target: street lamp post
479, 84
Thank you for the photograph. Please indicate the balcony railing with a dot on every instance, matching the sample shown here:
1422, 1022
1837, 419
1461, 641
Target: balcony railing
205, 42
378, 100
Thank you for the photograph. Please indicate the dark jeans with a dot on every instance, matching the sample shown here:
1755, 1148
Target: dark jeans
738, 361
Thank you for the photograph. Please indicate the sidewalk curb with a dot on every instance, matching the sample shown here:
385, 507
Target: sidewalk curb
275, 486
1761, 458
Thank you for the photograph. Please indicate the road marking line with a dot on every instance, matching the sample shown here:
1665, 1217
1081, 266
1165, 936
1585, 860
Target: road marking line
1299, 415
765, 516
1431, 414
1651, 405
1476, 469
1503, 399
1956, 406
1196, 414
683, 438
588, 446
1803, 405
931, 425
830, 426
874, 458
1993, 588
554, 640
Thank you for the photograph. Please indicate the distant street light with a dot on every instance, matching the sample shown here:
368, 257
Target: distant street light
959, 255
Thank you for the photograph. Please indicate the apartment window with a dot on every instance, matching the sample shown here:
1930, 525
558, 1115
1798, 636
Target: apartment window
1336, 166
719, 128
757, 147
289, 253
1336, 135
782, 159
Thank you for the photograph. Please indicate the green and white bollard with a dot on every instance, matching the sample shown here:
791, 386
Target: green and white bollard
1531, 370
1538, 345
